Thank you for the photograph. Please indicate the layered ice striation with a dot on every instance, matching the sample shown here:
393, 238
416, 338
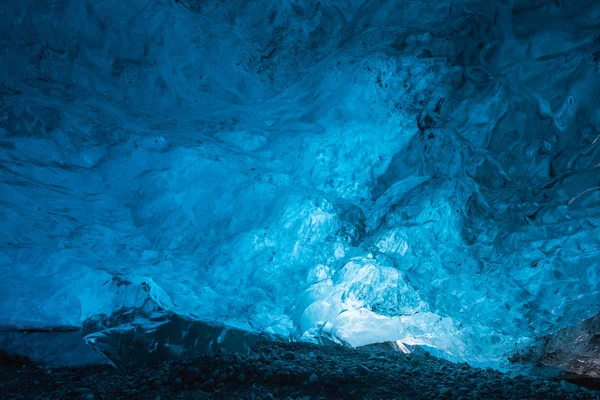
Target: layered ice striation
423, 172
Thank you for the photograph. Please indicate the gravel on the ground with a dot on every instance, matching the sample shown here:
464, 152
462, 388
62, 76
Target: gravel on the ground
284, 371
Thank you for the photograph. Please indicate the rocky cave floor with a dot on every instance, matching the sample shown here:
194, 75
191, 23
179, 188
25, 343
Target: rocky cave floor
282, 371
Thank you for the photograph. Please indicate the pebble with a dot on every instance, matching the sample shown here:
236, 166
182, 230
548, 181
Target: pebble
208, 385
520, 386
429, 376
569, 387
192, 374
198, 395
363, 370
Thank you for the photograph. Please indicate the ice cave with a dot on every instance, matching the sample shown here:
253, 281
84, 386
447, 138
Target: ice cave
414, 180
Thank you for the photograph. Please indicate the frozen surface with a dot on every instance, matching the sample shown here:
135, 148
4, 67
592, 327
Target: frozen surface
573, 349
361, 171
57, 348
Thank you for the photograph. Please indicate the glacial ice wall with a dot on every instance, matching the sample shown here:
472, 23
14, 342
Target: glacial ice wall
363, 171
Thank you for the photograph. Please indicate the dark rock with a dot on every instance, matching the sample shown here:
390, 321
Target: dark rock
479, 381
208, 385
289, 355
569, 387
283, 373
363, 370
199, 394
340, 374
222, 377
520, 386
192, 374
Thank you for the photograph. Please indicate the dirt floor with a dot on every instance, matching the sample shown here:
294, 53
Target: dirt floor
282, 371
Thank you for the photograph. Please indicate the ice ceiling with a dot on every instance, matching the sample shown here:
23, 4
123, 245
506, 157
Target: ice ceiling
363, 171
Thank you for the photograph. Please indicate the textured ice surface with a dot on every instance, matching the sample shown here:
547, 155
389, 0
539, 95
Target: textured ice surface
363, 171
573, 349
148, 333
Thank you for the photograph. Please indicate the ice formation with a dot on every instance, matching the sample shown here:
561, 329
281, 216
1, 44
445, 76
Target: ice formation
361, 171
